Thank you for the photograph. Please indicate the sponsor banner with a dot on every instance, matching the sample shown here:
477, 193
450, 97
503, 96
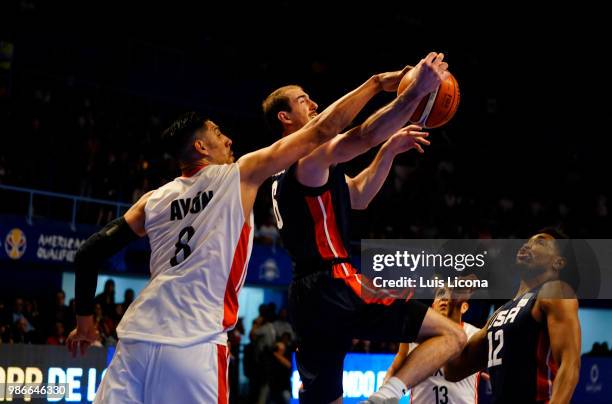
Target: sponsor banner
595, 383
363, 375
51, 243
43, 373
269, 266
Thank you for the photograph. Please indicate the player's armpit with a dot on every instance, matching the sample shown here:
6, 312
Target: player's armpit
472, 359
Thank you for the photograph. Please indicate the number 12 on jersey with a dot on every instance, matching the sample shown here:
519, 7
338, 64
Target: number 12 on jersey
494, 359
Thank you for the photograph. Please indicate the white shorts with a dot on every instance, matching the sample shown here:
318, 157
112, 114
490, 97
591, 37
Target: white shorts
145, 372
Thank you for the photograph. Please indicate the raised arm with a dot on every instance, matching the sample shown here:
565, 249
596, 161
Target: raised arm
113, 237
313, 170
365, 185
259, 165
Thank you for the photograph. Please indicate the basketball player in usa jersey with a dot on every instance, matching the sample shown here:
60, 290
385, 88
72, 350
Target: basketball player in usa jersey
435, 389
173, 346
531, 345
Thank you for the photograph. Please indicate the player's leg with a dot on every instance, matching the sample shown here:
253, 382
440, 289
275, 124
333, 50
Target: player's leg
408, 321
123, 381
192, 374
439, 340
321, 371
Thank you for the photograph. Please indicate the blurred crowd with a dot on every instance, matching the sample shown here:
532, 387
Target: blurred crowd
49, 320
95, 142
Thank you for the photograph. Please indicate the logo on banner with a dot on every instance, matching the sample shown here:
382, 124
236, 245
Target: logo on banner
15, 244
269, 271
593, 386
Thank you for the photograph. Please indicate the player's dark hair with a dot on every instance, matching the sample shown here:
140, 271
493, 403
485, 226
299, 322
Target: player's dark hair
569, 273
274, 103
181, 133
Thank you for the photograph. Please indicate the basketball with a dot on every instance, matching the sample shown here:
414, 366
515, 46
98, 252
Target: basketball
437, 108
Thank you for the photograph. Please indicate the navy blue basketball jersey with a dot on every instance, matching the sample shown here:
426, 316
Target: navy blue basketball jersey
520, 361
313, 222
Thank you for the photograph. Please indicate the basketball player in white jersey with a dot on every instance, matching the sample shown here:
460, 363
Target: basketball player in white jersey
173, 340
435, 389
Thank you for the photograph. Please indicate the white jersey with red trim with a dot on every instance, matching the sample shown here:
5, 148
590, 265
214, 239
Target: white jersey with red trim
437, 390
200, 247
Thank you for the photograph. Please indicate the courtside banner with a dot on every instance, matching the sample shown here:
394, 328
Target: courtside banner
51, 242
44, 374
481, 268
595, 383
363, 375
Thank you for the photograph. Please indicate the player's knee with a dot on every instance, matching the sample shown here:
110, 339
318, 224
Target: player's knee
457, 339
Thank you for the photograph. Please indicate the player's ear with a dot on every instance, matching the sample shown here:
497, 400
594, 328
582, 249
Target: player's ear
464, 307
200, 147
559, 263
283, 117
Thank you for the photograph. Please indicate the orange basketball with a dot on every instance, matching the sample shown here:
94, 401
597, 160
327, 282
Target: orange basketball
437, 108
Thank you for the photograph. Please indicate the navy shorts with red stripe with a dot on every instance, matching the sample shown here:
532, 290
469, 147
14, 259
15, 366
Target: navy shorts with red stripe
327, 315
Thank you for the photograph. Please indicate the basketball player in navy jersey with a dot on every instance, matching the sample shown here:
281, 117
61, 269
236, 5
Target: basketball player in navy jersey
173, 337
531, 345
329, 302
435, 389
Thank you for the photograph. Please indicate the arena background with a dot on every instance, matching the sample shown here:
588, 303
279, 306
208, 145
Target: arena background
86, 90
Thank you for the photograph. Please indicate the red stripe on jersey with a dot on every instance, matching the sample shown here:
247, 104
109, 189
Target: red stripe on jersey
329, 242
222, 375
546, 368
365, 289
476, 387
230, 300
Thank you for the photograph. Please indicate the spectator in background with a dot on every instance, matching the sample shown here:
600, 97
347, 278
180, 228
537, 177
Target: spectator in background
280, 375
106, 326
5, 316
128, 298
59, 335
263, 338
106, 299
21, 335
268, 232
61, 312
282, 326
18, 314
5, 334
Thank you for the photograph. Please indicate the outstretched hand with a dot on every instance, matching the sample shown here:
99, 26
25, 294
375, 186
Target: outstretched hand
430, 72
389, 81
84, 335
407, 138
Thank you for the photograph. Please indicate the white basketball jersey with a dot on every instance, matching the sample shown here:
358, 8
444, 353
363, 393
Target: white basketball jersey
200, 248
437, 390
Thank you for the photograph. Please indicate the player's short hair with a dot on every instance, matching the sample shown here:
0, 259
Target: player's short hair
274, 103
566, 247
555, 232
180, 134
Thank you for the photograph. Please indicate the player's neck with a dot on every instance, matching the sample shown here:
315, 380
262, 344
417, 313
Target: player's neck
456, 318
188, 169
527, 284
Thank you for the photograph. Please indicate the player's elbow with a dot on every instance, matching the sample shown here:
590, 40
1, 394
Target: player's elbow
325, 129
359, 204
